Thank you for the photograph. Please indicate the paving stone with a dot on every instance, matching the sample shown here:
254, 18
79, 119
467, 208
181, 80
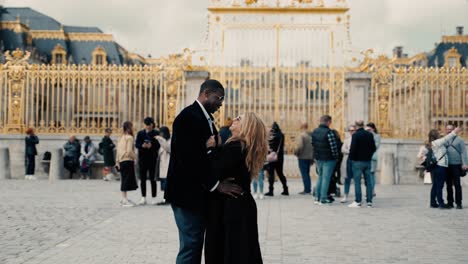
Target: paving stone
81, 222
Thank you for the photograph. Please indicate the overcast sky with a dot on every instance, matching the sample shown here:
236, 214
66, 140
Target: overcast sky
159, 27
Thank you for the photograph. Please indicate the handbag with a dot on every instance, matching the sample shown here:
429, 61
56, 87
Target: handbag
427, 178
273, 156
462, 173
84, 166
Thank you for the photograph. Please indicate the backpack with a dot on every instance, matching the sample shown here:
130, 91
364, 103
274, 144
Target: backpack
84, 168
431, 161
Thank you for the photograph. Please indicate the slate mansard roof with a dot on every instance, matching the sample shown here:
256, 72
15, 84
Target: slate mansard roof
28, 29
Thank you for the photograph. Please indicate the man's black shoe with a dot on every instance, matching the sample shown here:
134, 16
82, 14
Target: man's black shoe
269, 194
285, 192
305, 193
444, 206
434, 206
459, 206
450, 206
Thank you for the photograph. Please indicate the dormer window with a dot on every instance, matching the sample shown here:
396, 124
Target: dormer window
99, 60
452, 58
59, 55
452, 62
99, 56
58, 59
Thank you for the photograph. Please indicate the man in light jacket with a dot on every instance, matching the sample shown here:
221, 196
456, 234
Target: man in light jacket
305, 155
457, 161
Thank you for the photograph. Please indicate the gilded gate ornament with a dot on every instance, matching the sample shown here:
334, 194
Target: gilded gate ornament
382, 70
17, 61
174, 66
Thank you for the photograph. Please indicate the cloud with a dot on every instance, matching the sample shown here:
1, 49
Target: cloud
415, 24
160, 27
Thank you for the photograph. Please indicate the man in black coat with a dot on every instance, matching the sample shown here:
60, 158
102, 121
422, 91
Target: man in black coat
189, 179
148, 148
360, 153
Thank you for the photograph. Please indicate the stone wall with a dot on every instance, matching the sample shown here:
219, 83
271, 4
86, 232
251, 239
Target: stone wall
16, 145
405, 152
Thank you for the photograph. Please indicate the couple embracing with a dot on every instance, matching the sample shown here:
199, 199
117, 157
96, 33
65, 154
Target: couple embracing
208, 184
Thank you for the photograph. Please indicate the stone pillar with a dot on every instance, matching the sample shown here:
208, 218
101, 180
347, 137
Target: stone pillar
357, 97
56, 165
5, 171
387, 174
193, 81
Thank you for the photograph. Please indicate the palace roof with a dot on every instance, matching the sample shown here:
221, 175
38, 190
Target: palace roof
28, 29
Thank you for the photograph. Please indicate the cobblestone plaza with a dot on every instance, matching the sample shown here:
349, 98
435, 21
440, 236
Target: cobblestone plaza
81, 222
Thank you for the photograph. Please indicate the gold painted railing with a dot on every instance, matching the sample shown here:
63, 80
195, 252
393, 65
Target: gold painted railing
290, 96
406, 102
85, 99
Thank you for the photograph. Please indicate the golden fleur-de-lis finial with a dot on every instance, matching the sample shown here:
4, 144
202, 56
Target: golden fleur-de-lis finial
249, 2
17, 54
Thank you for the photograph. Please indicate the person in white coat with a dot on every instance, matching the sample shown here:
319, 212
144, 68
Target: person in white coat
164, 155
346, 166
88, 156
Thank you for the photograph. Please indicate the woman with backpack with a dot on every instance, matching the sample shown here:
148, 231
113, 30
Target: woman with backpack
436, 162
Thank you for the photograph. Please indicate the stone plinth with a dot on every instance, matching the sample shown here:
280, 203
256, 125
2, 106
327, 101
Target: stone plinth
387, 174
5, 169
56, 165
357, 97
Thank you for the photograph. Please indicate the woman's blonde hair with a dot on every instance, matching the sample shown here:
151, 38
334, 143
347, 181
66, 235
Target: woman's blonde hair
253, 134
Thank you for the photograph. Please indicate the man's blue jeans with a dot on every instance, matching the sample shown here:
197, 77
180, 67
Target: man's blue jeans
349, 176
191, 227
373, 170
304, 167
259, 182
360, 168
325, 170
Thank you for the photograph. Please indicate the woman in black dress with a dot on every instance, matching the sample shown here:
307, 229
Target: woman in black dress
232, 232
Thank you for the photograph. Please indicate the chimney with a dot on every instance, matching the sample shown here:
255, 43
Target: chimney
459, 31
398, 52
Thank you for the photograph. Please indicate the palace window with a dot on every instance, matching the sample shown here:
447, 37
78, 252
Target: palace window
59, 59
452, 58
59, 55
99, 56
99, 60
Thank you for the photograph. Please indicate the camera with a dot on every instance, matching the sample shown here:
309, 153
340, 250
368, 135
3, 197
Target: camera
147, 141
